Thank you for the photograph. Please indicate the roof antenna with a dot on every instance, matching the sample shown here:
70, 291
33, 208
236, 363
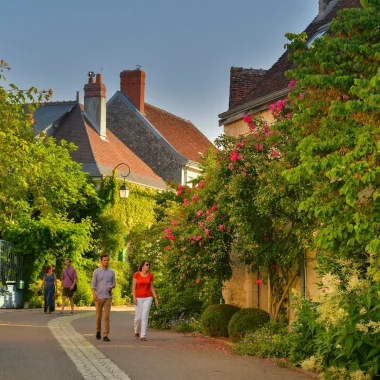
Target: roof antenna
138, 67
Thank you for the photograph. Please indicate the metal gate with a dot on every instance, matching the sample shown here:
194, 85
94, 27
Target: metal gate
10, 263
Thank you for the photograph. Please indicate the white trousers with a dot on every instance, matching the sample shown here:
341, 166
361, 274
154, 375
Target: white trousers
142, 314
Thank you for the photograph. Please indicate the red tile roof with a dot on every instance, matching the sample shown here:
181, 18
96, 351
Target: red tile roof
181, 134
241, 81
112, 152
274, 79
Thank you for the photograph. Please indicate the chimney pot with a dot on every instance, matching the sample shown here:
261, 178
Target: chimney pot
99, 78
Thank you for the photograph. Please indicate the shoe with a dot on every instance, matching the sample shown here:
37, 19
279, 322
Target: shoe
60, 313
98, 336
137, 335
106, 339
144, 339
71, 313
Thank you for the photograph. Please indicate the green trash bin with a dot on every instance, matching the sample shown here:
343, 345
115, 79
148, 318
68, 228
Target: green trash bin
20, 285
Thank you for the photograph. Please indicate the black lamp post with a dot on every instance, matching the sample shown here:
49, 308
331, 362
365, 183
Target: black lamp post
124, 191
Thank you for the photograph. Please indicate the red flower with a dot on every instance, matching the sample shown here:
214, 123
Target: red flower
201, 183
168, 248
168, 231
207, 231
180, 187
198, 281
199, 213
221, 227
171, 237
288, 115
174, 223
247, 119
234, 156
194, 198
258, 282
184, 201
179, 193
214, 207
291, 84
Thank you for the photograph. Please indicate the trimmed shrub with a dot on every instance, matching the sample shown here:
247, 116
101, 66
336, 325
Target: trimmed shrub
247, 320
215, 319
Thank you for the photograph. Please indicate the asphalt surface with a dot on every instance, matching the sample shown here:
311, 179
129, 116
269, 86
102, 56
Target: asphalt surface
35, 346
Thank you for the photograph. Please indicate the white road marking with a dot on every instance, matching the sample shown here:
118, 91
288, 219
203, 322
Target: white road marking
90, 362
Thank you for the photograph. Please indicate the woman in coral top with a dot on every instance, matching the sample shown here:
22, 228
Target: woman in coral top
143, 293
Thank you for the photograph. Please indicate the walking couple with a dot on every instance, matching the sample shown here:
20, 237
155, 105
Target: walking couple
104, 281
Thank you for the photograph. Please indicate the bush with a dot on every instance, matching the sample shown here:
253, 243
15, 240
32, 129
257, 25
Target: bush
247, 320
271, 340
215, 319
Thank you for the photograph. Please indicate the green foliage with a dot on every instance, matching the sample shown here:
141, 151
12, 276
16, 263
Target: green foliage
215, 319
269, 341
176, 308
246, 320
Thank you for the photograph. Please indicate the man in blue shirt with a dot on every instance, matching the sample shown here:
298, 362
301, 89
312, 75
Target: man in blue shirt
103, 281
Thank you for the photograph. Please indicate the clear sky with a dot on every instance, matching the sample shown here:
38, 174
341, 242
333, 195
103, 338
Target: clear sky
186, 48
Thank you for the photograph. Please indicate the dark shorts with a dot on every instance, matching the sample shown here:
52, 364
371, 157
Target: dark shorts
67, 292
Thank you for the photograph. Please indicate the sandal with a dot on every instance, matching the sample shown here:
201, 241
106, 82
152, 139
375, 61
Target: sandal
137, 335
144, 339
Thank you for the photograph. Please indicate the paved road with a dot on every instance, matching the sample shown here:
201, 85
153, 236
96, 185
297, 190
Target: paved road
36, 346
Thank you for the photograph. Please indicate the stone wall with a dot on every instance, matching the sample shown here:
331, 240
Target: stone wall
126, 125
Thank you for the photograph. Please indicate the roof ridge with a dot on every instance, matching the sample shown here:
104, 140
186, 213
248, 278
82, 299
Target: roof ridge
169, 113
59, 102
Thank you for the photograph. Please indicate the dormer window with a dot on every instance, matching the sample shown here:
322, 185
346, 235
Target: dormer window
321, 31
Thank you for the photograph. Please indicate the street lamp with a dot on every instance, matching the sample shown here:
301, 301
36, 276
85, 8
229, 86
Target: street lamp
124, 191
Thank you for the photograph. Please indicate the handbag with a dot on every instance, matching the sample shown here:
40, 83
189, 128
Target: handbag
75, 286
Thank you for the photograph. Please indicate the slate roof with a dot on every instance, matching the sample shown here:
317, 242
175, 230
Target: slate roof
48, 113
181, 134
274, 80
99, 157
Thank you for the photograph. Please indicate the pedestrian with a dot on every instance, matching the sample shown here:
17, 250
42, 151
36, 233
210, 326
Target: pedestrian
103, 281
143, 292
49, 286
69, 280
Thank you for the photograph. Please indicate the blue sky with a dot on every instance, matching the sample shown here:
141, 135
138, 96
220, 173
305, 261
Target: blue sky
186, 48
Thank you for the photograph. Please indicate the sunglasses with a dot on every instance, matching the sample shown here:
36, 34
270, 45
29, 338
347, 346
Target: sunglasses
147, 264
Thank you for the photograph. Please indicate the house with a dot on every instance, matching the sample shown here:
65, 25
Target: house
99, 150
171, 146
251, 92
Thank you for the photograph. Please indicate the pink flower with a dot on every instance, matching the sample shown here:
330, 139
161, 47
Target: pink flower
194, 198
221, 227
234, 156
230, 166
184, 201
259, 147
171, 237
168, 248
207, 231
214, 207
247, 119
180, 187
179, 192
201, 184
301, 95
198, 281
280, 105
168, 230
272, 108
199, 237
199, 213
288, 166
274, 153
266, 128
291, 84
258, 282
174, 223
252, 127
288, 115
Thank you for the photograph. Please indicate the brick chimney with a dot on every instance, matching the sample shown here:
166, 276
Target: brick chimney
95, 102
132, 84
